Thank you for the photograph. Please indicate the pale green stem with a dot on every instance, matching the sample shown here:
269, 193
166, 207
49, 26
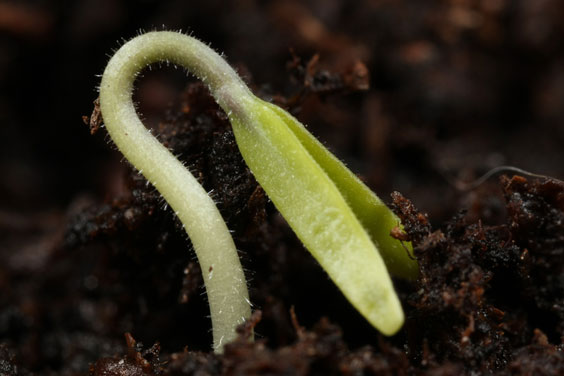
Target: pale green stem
223, 276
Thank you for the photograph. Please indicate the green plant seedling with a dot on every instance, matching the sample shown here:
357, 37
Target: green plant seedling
341, 222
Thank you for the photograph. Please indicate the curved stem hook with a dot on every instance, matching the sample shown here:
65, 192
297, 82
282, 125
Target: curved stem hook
223, 275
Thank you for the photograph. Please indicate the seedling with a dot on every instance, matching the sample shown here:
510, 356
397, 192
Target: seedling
344, 225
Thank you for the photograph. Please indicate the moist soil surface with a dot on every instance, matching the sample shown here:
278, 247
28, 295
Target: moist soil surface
419, 98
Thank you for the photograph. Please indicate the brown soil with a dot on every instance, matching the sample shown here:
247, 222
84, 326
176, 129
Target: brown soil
98, 276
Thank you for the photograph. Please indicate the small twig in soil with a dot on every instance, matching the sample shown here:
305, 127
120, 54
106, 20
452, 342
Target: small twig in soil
463, 186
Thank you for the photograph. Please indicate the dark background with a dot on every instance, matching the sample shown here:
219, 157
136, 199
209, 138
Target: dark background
482, 82
457, 87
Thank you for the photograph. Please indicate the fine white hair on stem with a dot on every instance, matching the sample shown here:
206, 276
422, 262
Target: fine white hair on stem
223, 275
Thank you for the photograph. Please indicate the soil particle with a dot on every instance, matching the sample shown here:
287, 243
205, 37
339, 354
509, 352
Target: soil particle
95, 120
537, 359
7, 364
134, 363
492, 286
537, 225
416, 224
193, 363
317, 352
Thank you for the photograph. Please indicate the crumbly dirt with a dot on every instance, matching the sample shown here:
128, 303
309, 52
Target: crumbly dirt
487, 300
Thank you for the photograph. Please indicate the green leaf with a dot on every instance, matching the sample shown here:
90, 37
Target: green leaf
316, 194
374, 215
